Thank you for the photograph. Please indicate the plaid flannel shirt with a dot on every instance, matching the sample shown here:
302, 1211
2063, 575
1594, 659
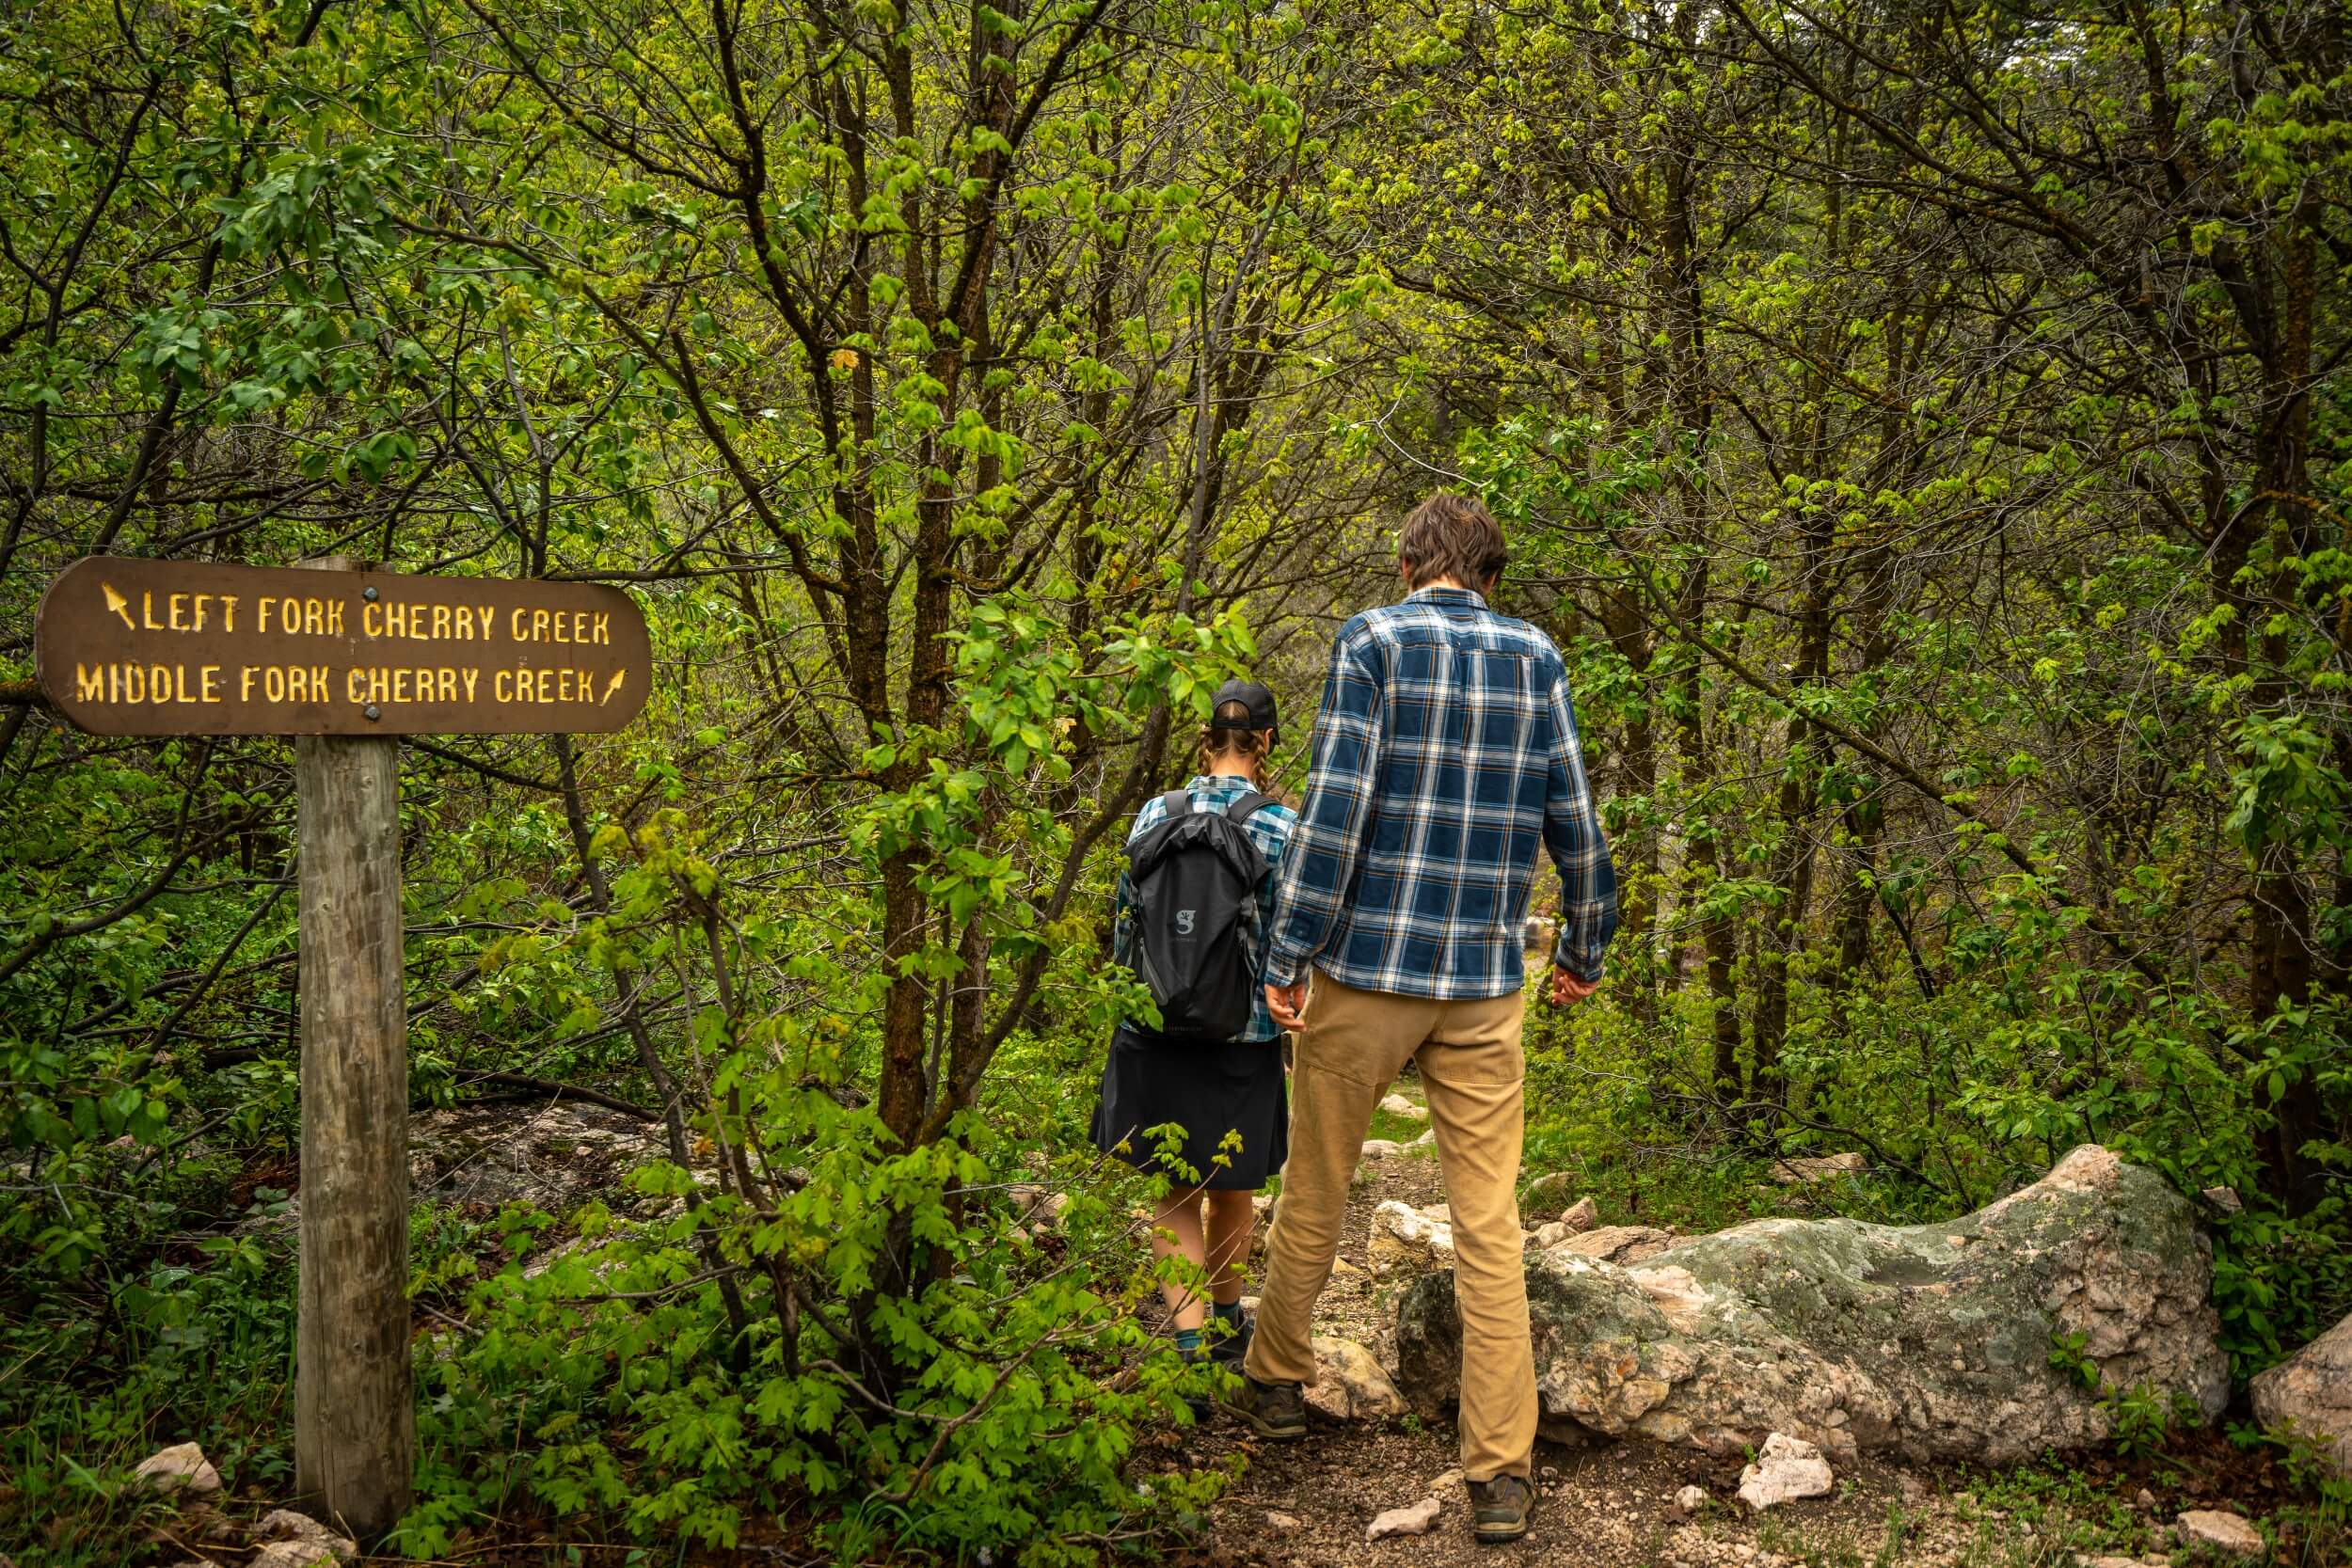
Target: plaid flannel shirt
1445, 751
1269, 828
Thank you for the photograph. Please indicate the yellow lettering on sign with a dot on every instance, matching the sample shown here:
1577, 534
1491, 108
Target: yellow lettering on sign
244, 682
89, 685
372, 619
176, 613
229, 613
440, 622
265, 604
208, 681
471, 676
497, 687
334, 617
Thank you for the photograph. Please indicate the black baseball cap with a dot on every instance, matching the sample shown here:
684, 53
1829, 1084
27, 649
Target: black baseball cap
1254, 698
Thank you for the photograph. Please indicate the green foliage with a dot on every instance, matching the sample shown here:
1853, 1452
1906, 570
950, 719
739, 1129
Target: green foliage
1942, 524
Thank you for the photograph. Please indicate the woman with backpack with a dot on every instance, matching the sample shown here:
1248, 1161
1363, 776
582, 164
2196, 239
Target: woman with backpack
1192, 911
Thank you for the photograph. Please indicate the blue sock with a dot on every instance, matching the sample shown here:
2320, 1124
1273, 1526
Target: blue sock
1227, 1312
1188, 1339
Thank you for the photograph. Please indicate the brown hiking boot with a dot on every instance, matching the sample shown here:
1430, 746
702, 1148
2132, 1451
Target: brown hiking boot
1498, 1509
1274, 1411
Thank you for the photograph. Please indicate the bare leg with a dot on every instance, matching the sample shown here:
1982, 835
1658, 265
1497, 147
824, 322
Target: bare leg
1231, 1218
1176, 1233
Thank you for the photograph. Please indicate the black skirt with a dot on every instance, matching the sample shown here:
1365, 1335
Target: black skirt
1209, 1090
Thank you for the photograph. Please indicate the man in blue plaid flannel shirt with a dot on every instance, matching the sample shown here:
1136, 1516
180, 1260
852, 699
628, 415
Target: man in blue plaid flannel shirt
1445, 758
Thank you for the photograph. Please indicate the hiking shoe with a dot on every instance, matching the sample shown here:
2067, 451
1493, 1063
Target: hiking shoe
1276, 1411
1228, 1352
1498, 1509
1201, 1405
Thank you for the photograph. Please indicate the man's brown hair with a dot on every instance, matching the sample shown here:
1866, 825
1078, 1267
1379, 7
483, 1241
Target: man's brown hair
1452, 537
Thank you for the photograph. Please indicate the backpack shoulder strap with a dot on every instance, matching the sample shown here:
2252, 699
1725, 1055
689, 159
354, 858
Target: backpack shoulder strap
1246, 806
1176, 803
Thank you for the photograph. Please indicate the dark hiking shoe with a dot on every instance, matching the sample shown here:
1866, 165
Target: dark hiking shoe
1276, 1411
1201, 1405
1498, 1509
1228, 1351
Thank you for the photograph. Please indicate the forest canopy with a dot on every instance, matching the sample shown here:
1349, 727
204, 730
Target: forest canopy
1925, 431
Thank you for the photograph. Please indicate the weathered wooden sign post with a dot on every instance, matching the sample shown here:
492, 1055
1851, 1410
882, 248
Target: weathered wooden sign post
344, 663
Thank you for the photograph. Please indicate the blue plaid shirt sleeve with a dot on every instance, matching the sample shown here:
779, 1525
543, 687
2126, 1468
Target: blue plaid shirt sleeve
1329, 839
1588, 878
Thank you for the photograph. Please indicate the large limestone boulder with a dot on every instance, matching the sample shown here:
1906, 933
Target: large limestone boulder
2312, 1392
1930, 1340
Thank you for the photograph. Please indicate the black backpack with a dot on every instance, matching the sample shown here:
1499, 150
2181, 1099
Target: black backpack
1194, 878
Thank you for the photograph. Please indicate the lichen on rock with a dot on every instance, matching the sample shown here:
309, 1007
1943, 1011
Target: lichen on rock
1929, 1340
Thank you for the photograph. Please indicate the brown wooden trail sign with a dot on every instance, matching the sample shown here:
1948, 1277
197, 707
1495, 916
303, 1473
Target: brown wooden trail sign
344, 660
167, 647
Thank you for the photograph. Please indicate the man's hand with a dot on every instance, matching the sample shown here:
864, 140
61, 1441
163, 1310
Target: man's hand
1287, 1004
1566, 990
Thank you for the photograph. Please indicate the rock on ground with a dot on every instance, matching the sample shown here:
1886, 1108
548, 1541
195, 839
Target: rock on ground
181, 1467
1617, 1244
2227, 1533
1546, 1194
296, 1554
1350, 1385
1415, 1520
1789, 1468
554, 1156
1404, 1241
1932, 1341
1037, 1207
1581, 1215
1380, 1148
1816, 1167
284, 1524
1397, 1105
2312, 1392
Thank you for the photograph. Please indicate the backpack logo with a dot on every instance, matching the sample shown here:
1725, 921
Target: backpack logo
1183, 923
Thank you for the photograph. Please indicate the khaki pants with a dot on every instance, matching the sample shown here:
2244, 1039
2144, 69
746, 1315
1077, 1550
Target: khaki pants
1474, 1070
